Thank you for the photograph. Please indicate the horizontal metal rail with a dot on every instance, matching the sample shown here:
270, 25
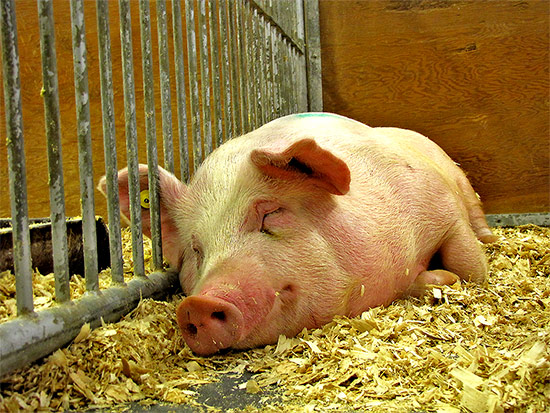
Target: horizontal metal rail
30, 337
507, 220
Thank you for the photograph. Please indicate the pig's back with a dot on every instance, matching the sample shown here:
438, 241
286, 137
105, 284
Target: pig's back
361, 146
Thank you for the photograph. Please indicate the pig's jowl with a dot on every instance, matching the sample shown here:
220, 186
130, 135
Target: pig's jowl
311, 216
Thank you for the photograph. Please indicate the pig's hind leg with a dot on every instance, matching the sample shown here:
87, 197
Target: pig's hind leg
461, 254
475, 211
461, 257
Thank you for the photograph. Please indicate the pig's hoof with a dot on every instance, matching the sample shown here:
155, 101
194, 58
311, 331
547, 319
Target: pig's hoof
487, 237
435, 277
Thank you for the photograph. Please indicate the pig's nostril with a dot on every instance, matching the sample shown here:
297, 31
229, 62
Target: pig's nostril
219, 315
191, 329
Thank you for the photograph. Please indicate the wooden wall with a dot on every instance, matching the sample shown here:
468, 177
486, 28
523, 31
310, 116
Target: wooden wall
471, 75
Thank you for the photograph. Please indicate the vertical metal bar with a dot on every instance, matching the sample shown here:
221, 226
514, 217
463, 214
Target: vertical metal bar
194, 108
282, 74
16, 159
150, 132
296, 79
131, 135
293, 8
251, 81
216, 72
244, 72
55, 163
261, 67
242, 68
301, 92
235, 78
268, 61
276, 73
288, 76
205, 79
226, 64
255, 66
313, 55
109, 144
278, 63
85, 164
180, 90
164, 64
293, 78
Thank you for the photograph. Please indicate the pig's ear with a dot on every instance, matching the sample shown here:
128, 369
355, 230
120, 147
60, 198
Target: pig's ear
171, 189
305, 159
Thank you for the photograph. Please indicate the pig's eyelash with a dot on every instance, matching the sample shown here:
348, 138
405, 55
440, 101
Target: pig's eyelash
264, 229
198, 255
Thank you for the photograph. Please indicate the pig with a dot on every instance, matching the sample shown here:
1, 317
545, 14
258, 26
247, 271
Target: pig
310, 216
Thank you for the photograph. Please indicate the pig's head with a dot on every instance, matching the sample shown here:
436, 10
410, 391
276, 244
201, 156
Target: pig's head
245, 236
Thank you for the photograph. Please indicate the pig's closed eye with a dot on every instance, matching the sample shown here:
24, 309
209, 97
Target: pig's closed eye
269, 220
199, 255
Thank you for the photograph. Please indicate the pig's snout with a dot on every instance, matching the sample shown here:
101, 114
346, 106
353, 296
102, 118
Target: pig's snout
209, 324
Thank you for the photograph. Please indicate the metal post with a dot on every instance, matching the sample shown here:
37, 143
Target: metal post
131, 136
194, 108
217, 118
205, 80
150, 132
313, 56
16, 159
109, 144
164, 64
55, 163
185, 168
84, 142
226, 65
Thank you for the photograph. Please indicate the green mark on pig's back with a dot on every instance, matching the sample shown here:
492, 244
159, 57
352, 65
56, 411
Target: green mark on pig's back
317, 115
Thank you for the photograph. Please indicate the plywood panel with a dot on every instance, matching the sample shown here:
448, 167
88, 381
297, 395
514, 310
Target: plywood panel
472, 75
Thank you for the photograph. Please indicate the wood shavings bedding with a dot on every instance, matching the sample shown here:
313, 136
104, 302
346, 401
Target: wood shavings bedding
464, 347
44, 285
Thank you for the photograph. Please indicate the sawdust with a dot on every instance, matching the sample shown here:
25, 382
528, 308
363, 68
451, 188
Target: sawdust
464, 347
44, 285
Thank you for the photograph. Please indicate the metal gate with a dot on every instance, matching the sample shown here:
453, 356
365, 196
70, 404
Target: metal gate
237, 64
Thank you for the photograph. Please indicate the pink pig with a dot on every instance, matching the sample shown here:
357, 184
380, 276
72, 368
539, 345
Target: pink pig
311, 216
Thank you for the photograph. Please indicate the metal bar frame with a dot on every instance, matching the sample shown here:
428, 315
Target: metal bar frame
131, 135
85, 164
55, 164
246, 66
16, 160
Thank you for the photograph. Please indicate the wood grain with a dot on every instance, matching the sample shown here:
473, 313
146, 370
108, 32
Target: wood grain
471, 75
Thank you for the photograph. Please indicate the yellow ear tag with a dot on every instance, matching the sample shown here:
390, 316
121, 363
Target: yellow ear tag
144, 198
